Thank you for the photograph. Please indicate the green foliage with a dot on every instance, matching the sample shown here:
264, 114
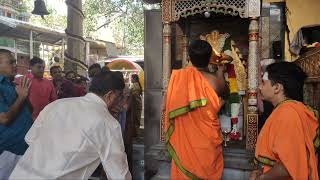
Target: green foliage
124, 17
53, 20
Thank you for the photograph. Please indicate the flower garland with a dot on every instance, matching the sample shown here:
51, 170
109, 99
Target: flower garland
234, 102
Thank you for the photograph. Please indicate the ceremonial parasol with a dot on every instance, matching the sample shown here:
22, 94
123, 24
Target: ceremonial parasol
127, 66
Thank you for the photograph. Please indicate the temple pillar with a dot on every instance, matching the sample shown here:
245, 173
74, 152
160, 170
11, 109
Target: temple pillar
74, 55
265, 31
31, 45
159, 151
184, 51
253, 74
166, 55
157, 73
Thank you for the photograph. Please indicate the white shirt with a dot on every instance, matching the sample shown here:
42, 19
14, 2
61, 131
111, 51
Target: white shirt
70, 138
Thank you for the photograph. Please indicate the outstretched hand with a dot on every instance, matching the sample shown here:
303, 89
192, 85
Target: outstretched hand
23, 87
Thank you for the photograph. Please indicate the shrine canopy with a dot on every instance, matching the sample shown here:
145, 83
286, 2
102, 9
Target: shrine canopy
122, 64
127, 67
173, 10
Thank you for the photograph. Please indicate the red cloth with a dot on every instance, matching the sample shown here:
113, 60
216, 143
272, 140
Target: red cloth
81, 91
66, 89
234, 120
231, 71
42, 92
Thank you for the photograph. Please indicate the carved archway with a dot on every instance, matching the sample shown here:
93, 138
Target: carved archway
173, 10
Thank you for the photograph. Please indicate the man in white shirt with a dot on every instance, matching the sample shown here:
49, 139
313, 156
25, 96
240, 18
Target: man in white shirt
72, 136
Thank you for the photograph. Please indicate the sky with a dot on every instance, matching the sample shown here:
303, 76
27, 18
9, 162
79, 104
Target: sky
58, 5
61, 8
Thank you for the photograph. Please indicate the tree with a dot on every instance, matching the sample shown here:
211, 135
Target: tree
53, 20
124, 17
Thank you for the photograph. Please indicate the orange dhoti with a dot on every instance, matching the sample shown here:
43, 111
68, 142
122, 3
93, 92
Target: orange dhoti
290, 137
193, 133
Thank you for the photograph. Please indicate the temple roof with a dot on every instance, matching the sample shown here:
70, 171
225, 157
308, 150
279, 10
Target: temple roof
21, 30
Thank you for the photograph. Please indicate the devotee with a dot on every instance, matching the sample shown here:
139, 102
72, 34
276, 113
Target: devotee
125, 117
71, 76
15, 115
94, 69
267, 107
82, 83
193, 100
42, 91
289, 140
123, 114
56, 62
64, 87
72, 136
136, 92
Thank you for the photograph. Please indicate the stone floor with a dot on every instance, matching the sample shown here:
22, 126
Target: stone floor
138, 157
138, 162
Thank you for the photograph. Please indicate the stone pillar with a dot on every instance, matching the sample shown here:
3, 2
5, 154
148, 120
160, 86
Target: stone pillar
253, 73
265, 31
74, 59
31, 45
63, 46
166, 54
184, 51
87, 59
159, 151
166, 64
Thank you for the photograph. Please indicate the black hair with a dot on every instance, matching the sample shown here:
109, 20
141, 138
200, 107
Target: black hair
200, 53
81, 79
104, 82
5, 51
105, 68
93, 66
69, 72
53, 68
118, 75
36, 60
136, 78
291, 76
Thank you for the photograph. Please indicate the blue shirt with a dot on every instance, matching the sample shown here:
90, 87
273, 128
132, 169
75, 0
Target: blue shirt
12, 135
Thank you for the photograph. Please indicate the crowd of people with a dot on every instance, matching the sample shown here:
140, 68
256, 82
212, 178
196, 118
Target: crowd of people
65, 127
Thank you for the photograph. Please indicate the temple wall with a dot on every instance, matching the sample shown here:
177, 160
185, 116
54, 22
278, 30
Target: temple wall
301, 13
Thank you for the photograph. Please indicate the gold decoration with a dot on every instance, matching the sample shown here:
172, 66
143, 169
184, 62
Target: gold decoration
217, 41
252, 131
239, 68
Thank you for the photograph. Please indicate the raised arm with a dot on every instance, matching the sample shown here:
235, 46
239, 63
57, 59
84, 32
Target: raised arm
22, 91
218, 82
